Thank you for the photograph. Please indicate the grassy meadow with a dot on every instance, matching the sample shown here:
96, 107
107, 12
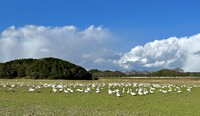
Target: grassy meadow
17, 100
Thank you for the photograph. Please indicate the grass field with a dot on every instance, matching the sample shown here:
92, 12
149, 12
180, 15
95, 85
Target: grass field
15, 98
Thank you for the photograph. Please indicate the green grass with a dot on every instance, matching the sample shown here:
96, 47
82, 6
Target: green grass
21, 102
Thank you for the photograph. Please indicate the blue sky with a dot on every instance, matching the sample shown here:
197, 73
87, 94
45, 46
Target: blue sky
132, 22
143, 20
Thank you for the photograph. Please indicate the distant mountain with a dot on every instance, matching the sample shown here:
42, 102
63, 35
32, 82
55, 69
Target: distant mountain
46, 68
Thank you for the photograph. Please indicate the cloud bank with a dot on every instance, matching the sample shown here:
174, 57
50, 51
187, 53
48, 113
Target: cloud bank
173, 52
93, 47
89, 47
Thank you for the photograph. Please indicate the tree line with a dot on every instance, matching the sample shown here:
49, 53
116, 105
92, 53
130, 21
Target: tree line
46, 68
177, 72
53, 68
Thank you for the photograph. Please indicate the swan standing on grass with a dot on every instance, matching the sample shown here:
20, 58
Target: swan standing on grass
54, 90
123, 91
117, 93
128, 91
87, 90
170, 89
60, 90
66, 91
80, 90
110, 91
97, 90
12, 86
140, 91
164, 91
189, 89
151, 90
133, 93
179, 91
31, 90
145, 91
69, 89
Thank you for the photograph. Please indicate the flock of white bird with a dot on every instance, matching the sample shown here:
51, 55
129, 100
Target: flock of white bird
117, 89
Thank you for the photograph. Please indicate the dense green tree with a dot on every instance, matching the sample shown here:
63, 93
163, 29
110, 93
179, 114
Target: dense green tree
46, 68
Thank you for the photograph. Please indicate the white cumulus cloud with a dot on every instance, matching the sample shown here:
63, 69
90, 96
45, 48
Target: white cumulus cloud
93, 47
87, 47
173, 52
